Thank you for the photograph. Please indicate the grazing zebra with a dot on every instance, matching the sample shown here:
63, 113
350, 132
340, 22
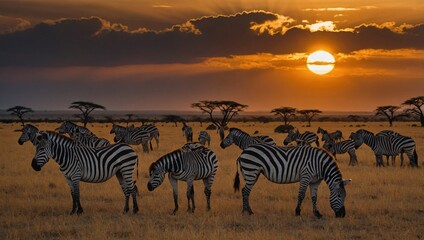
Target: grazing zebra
386, 133
283, 165
69, 128
185, 166
89, 140
87, 164
244, 140
301, 139
153, 132
204, 137
187, 132
29, 133
346, 146
336, 136
390, 145
131, 135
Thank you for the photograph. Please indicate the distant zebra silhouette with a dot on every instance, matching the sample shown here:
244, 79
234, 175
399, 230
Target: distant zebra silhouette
301, 139
390, 145
187, 132
81, 163
283, 165
244, 140
204, 137
186, 166
336, 136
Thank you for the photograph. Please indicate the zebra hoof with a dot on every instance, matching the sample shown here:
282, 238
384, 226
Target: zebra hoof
297, 211
135, 209
248, 211
317, 214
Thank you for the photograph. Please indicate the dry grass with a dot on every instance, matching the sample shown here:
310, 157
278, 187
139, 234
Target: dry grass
382, 203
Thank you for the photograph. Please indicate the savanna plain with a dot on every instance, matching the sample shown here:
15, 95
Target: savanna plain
381, 203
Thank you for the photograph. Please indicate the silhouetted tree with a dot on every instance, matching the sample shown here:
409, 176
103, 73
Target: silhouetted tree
86, 108
173, 118
228, 110
308, 114
129, 117
285, 113
19, 111
415, 103
388, 112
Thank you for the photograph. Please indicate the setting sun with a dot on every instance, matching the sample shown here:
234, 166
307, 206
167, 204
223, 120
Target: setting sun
320, 62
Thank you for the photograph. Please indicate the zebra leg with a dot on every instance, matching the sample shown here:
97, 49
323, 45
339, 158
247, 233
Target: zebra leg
75, 193
124, 189
301, 195
208, 192
174, 185
190, 196
313, 187
253, 177
352, 158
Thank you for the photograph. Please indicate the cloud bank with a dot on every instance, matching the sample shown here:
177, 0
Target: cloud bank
97, 42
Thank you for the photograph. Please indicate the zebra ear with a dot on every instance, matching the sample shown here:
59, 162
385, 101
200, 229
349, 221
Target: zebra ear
346, 181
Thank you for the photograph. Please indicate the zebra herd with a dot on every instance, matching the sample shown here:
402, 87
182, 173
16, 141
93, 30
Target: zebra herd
85, 157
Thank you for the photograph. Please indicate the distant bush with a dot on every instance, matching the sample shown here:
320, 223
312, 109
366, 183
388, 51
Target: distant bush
283, 128
211, 127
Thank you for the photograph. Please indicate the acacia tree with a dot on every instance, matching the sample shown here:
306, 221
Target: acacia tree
285, 113
308, 114
86, 108
173, 118
228, 110
388, 112
415, 103
19, 111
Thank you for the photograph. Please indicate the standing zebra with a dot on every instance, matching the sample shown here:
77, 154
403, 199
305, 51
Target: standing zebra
87, 164
204, 137
301, 139
29, 133
70, 127
283, 165
132, 136
187, 132
387, 133
346, 146
390, 145
153, 132
336, 136
244, 140
185, 166
89, 140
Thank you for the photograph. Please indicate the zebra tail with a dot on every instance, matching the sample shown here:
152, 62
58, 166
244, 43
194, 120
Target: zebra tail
237, 179
151, 147
416, 157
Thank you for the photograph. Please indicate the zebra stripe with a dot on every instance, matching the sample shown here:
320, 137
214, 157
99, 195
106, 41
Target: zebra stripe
87, 165
185, 166
29, 133
387, 133
390, 145
89, 140
301, 139
153, 132
283, 165
187, 132
336, 136
70, 128
132, 136
244, 140
204, 137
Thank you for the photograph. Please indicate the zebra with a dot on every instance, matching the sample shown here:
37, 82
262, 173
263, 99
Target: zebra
244, 140
346, 146
153, 132
89, 140
390, 145
132, 136
386, 133
186, 166
187, 132
193, 146
80, 163
29, 133
305, 138
284, 165
336, 136
69, 128
204, 137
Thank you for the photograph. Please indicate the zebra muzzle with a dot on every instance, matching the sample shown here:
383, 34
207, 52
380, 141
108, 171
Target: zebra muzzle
340, 213
35, 166
150, 187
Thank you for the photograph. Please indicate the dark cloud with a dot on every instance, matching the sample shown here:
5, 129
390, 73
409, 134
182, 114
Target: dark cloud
97, 42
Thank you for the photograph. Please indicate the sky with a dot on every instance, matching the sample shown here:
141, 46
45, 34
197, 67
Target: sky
165, 55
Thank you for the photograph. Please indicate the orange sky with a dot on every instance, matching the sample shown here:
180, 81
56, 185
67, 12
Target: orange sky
148, 56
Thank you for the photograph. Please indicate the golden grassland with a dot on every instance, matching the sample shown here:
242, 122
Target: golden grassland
382, 203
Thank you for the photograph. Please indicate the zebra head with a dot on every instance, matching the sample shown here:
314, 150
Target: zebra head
338, 196
28, 133
157, 174
357, 138
229, 139
193, 146
290, 137
42, 151
65, 127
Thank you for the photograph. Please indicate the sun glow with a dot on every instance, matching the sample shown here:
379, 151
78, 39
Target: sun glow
320, 62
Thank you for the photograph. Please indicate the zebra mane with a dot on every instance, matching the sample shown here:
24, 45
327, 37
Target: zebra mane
363, 131
238, 130
57, 135
30, 126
